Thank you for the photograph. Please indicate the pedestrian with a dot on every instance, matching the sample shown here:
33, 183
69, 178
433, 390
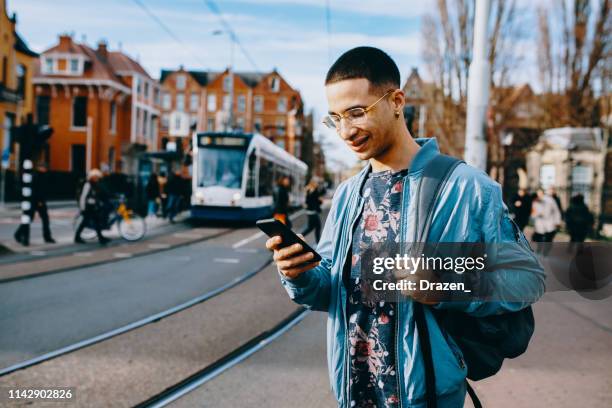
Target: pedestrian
313, 209
153, 195
546, 219
38, 204
373, 351
521, 208
91, 205
173, 190
552, 192
281, 201
578, 219
163, 197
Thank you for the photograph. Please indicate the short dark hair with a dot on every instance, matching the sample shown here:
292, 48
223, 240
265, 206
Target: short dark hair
370, 63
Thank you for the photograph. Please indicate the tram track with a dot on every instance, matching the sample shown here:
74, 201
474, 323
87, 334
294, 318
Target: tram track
141, 322
226, 362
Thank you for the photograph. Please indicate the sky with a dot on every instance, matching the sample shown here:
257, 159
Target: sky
289, 35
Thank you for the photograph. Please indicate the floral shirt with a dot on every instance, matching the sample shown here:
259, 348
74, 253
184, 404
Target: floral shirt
373, 381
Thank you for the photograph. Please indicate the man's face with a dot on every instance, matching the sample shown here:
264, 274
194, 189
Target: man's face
375, 136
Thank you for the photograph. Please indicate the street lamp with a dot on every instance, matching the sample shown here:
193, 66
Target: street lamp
230, 120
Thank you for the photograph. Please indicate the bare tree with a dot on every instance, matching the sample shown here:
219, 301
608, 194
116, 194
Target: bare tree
574, 61
447, 47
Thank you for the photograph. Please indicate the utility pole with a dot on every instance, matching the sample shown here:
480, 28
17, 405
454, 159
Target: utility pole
478, 90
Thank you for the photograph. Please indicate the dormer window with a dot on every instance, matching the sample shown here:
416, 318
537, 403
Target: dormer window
274, 84
74, 65
49, 65
181, 81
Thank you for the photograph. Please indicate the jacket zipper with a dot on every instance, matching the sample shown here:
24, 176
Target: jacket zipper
398, 369
346, 328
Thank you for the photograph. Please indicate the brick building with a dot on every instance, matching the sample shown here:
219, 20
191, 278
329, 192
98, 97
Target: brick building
102, 105
262, 102
17, 63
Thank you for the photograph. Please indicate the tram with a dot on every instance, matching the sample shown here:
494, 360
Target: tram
235, 174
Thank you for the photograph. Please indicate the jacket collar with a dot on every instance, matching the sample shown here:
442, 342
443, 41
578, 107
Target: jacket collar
429, 149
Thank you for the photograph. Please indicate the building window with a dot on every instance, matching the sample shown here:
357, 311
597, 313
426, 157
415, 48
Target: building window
42, 109
241, 103
274, 84
210, 124
193, 120
181, 80
180, 102
49, 65
259, 103
145, 124
280, 125
146, 90
194, 101
227, 83
74, 65
211, 102
21, 79
258, 125
79, 112
156, 96
166, 101
226, 103
113, 117
240, 123
298, 149
165, 121
282, 104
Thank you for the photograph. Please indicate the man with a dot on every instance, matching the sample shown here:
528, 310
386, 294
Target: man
281, 201
173, 189
374, 357
38, 204
521, 208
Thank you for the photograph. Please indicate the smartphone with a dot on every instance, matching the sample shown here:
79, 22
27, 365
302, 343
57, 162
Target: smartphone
273, 228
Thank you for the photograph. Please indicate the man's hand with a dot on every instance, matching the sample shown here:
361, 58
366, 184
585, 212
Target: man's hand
291, 261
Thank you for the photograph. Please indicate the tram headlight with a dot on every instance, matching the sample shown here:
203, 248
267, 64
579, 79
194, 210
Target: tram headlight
199, 196
236, 197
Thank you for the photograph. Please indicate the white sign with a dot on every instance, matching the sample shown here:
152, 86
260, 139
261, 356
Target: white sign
179, 124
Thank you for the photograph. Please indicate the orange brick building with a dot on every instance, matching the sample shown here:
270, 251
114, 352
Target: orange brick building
102, 105
263, 102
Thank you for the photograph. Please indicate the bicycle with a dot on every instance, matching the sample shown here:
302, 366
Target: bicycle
131, 226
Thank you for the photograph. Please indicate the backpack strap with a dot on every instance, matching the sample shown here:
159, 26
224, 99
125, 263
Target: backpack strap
435, 175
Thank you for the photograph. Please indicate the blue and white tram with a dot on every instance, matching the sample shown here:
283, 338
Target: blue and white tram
234, 176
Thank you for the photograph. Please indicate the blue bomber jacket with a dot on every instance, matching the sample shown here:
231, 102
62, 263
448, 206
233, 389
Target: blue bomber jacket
469, 209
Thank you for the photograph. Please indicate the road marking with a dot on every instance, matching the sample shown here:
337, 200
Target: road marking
122, 255
227, 260
159, 246
38, 253
187, 235
248, 250
261, 234
83, 254
247, 240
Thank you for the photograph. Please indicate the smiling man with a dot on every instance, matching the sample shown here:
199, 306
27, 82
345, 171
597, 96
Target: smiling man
374, 353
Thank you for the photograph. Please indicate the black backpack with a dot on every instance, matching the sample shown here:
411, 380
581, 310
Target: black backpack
484, 341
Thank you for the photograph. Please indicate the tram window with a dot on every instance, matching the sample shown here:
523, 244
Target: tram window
221, 167
266, 173
251, 178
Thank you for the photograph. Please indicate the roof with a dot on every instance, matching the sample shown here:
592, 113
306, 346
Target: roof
121, 62
22, 47
574, 138
203, 78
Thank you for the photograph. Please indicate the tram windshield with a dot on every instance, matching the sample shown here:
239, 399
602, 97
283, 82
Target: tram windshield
220, 166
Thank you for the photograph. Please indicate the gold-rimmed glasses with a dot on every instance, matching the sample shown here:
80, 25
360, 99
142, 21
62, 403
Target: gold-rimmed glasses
353, 116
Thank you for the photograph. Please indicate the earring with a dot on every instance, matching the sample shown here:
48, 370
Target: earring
397, 114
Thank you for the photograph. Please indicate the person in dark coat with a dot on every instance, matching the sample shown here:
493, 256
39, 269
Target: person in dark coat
38, 204
521, 208
281, 201
173, 190
153, 194
313, 209
578, 219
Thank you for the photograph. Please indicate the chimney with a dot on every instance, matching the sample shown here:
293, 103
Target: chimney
65, 41
102, 51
